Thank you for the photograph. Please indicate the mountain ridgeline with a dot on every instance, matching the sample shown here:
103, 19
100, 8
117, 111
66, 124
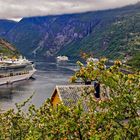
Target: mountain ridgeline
112, 33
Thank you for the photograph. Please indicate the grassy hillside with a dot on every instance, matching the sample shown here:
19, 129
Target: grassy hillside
117, 39
6, 49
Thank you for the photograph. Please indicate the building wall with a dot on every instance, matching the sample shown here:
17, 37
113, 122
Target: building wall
56, 100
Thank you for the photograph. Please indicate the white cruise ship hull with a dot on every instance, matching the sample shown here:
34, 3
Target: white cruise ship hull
16, 78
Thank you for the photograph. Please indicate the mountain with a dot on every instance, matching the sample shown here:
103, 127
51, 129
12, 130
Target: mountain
6, 25
112, 33
7, 49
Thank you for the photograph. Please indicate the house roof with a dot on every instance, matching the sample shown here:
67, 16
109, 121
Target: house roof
71, 94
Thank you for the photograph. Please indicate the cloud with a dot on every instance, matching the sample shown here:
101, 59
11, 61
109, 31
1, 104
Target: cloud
16, 9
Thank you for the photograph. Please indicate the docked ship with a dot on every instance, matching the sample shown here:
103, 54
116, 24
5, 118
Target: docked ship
62, 59
17, 70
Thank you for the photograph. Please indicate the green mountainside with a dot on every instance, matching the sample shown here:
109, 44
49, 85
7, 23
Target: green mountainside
112, 33
118, 39
8, 50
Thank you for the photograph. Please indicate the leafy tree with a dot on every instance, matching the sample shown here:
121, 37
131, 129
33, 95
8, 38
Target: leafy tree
115, 117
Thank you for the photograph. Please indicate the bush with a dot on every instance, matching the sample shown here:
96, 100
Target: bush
115, 118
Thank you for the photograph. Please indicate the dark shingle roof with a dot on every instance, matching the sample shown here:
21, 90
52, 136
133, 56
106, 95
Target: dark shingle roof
71, 94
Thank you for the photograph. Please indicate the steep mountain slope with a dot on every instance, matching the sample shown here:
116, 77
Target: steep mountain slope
6, 25
6, 49
112, 33
117, 38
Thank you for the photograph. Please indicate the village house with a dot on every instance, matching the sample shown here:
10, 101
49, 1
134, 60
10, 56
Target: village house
71, 94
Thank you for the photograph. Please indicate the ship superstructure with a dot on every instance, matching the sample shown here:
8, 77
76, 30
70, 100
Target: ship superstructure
15, 70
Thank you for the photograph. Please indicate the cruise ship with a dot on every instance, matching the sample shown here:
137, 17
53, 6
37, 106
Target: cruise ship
15, 70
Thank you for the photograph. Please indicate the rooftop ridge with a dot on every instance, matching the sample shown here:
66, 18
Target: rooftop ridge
74, 86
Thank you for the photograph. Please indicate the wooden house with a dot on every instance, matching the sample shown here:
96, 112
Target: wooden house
70, 94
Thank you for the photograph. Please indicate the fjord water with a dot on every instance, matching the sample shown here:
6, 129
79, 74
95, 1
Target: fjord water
47, 76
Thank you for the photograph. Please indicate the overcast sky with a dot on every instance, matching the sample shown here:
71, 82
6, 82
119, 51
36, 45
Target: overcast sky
16, 9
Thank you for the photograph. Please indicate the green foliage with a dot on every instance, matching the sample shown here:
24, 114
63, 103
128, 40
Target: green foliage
6, 49
135, 61
115, 117
89, 72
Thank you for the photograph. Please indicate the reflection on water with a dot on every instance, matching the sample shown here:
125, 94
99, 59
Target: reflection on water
48, 75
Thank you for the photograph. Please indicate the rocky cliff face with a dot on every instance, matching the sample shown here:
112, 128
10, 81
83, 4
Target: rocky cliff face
46, 36
108, 33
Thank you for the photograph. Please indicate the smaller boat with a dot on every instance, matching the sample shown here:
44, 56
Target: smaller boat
62, 58
90, 59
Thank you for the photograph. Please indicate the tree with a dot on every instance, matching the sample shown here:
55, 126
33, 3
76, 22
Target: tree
116, 118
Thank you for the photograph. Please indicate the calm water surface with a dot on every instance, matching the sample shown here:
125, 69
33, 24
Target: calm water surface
48, 75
